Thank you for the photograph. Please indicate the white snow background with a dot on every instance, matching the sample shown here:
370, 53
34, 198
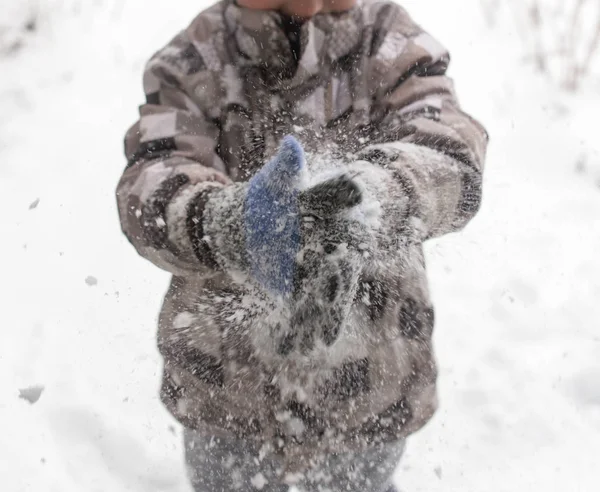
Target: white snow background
517, 293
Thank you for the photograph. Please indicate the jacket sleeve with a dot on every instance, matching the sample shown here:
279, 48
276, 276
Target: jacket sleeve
418, 132
172, 163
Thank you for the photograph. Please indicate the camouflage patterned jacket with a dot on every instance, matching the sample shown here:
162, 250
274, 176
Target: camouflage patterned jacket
219, 97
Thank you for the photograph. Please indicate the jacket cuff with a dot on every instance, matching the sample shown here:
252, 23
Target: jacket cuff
185, 220
428, 180
385, 201
224, 230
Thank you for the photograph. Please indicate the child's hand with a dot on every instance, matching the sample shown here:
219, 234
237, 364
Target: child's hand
272, 219
335, 247
301, 245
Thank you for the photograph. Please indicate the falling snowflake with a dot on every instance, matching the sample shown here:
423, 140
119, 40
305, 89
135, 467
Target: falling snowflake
31, 394
91, 281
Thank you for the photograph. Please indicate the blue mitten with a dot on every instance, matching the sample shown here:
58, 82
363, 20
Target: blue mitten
272, 219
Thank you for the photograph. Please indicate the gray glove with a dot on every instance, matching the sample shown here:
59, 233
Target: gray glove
335, 247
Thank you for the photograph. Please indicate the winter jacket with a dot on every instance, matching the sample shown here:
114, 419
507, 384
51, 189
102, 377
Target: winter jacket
370, 83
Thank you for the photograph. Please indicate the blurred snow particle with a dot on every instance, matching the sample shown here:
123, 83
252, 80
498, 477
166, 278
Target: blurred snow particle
438, 471
292, 478
583, 387
580, 164
31, 394
91, 281
258, 481
34, 204
184, 319
19, 20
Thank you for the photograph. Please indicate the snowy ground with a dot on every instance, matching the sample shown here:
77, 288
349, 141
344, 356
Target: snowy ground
518, 335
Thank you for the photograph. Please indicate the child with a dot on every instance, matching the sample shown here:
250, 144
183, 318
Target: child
297, 330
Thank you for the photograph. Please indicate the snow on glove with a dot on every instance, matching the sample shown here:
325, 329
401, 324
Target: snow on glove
353, 225
335, 247
254, 228
272, 219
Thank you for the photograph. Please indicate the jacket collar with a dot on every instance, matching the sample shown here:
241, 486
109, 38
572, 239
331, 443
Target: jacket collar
261, 40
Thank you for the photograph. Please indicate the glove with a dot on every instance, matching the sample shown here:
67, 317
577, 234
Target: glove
254, 228
272, 219
304, 245
335, 249
301, 244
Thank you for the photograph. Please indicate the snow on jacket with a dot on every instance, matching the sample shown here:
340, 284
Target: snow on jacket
219, 98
